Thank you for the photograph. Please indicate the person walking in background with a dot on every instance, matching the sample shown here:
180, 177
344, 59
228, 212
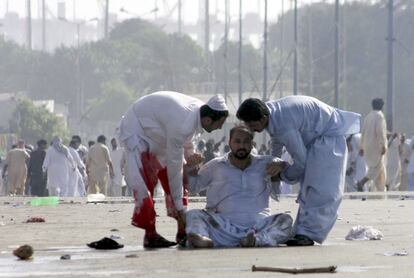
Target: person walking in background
98, 167
76, 178
35, 172
405, 153
58, 164
374, 146
16, 168
118, 162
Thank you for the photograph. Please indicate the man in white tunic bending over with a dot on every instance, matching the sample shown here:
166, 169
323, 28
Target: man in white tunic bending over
238, 188
157, 131
314, 134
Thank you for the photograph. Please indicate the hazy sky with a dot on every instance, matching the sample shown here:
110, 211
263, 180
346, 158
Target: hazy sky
86, 9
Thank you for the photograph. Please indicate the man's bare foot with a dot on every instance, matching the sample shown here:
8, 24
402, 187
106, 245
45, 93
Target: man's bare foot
199, 241
248, 241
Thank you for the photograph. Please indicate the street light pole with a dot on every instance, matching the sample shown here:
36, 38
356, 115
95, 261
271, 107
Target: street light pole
240, 52
336, 96
295, 56
390, 66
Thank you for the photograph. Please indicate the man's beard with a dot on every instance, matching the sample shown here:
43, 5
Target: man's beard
241, 155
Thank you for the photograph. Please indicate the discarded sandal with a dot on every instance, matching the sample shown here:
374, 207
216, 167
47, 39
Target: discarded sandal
157, 241
105, 244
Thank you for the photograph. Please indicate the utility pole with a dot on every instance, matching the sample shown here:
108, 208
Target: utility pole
390, 66
44, 25
264, 97
281, 48
295, 53
226, 39
180, 24
207, 42
240, 52
106, 26
29, 25
336, 70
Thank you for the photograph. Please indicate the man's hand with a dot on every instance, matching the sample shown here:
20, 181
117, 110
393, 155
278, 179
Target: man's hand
275, 167
383, 150
194, 159
361, 152
181, 218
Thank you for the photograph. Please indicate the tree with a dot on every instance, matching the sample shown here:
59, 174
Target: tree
33, 123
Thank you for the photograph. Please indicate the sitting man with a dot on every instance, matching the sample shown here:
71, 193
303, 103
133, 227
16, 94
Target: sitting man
238, 187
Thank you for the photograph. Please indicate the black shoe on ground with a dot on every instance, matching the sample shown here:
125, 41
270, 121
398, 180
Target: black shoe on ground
300, 240
157, 241
105, 244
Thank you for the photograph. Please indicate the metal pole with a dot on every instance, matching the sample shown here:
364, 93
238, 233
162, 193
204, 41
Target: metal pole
281, 48
29, 25
106, 26
207, 42
179, 17
336, 70
43, 25
390, 66
264, 97
226, 39
78, 73
240, 53
295, 53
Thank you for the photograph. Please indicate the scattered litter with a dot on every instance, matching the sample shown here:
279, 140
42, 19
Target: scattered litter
329, 269
396, 254
339, 218
35, 220
132, 256
95, 198
24, 252
114, 230
115, 237
115, 210
364, 233
65, 257
6, 203
105, 244
45, 201
18, 205
401, 206
2, 224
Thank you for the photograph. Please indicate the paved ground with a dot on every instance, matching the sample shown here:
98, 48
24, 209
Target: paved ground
69, 226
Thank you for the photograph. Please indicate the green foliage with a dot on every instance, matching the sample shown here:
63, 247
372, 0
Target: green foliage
33, 123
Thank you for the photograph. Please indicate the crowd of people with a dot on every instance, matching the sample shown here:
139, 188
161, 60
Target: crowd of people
66, 171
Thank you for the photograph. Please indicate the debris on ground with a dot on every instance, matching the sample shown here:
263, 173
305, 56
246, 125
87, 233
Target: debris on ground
396, 253
45, 201
364, 233
132, 256
24, 252
329, 269
114, 230
115, 210
65, 257
35, 220
105, 244
95, 198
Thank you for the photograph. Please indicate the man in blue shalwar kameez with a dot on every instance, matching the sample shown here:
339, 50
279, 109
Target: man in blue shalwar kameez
314, 134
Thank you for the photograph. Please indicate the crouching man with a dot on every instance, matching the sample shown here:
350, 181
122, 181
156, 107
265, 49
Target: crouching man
238, 188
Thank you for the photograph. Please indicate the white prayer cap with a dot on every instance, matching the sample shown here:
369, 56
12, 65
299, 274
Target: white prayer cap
217, 103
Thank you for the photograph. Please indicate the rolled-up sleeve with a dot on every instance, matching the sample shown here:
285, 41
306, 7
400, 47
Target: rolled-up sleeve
296, 148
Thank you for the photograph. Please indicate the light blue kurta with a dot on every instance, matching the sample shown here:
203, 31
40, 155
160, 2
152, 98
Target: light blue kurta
314, 134
237, 203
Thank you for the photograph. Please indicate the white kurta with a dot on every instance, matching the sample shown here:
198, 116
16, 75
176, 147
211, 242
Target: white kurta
314, 135
393, 164
76, 183
373, 140
405, 153
163, 123
58, 168
357, 163
117, 181
237, 203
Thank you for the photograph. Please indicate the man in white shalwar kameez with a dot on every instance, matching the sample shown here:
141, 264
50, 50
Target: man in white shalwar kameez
405, 153
374, 146
157, 131
118, 162
314, 135
77, 185
356, 166
238, 187
393, 162
59, 165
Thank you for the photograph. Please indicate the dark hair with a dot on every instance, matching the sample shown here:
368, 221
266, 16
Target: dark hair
241, 128
91, 143
76, 138
377, 103
101, 139
72, 143
41, 142
214, 115
252, 109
